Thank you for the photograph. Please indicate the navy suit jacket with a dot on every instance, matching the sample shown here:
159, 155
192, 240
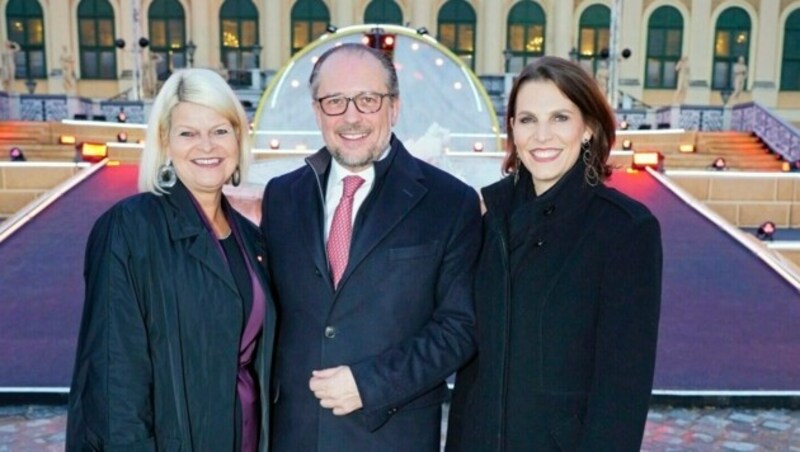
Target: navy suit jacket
402, 317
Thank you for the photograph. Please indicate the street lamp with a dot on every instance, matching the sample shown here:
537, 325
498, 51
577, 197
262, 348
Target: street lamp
30, 84
190, 48
507, 55
257, 54
573, 54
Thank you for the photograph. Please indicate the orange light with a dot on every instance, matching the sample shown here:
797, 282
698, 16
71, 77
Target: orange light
66, 139
94, 152
627, 145
644, 159
113, 163
686, 148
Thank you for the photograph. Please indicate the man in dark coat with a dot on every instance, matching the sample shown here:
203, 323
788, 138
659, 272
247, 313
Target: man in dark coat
365, 343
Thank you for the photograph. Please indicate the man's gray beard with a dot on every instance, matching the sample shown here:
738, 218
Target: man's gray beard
352, 163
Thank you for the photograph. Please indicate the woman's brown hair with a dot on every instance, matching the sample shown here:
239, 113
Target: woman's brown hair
579, 87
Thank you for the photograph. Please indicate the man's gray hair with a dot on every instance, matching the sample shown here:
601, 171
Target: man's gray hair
356, 49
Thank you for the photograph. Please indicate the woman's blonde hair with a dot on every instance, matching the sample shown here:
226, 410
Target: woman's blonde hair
199, 86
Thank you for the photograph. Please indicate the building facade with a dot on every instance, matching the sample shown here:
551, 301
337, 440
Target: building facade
90, 48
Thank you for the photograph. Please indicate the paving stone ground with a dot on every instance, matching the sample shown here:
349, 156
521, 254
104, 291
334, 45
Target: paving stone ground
41, 428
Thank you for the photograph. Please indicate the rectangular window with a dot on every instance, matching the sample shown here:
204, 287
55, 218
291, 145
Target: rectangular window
465, 36
107, 66
722, 45
790, 76
299, 35
20, 71
447, 35
176, 38
318, 29
35, 32
722, 70
106, 29
670, 76
587, 42
88, 33
673, 48
535, 39
230, 34
158, 33
89, 64
37, 63
516, 38
653, 72
249, 33
655, 43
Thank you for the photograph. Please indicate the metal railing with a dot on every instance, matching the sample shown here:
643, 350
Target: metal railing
778, 134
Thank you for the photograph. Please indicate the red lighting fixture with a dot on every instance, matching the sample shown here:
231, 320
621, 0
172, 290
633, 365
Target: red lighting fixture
93, 152
645, 159
766, 230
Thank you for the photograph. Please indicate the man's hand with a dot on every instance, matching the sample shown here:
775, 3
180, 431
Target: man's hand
336, 389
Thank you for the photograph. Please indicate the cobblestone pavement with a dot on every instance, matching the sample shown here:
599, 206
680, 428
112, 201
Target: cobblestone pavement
37, 428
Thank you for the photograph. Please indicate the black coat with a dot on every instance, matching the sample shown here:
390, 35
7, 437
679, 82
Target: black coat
593, 266
158, 350
402, 317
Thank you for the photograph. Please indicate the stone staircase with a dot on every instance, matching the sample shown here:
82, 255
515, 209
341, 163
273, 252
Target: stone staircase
742, 151
39, 141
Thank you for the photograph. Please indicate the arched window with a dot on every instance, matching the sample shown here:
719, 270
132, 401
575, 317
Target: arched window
96, 40
167, 36
525, 40
593, 37
310, 19
664, 45
26, 28
790, 67
731, 41
240, 46
457, 29
383, 12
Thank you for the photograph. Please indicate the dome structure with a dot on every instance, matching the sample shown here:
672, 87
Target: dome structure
445, 109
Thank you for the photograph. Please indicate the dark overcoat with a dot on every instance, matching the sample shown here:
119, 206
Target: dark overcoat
402, 317
594, 258
158, 350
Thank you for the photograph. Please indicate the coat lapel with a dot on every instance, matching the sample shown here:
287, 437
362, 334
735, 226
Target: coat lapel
307, 201
185, 223
401, 191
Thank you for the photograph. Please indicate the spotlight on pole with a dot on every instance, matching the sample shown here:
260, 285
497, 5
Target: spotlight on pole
766, 230
719, 164
15, 155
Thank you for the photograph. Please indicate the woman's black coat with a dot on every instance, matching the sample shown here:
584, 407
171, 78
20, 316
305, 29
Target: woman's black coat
158, 352
595, 257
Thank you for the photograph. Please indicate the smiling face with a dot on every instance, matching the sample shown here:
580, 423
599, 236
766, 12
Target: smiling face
355, 139
203, 147
548, 130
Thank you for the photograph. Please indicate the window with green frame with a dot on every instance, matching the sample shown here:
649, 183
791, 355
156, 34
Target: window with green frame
664, 46
383, 12
167, 36
525, 40
456, 29
25, 25
731, 41
790, 66
239, 39
98, 56
310, 19
593, 35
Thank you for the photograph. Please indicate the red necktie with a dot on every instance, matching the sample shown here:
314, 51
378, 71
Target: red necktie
342, 229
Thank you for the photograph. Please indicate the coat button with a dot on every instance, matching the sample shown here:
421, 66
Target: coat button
392, 411
539, 243
318, 273
549, 210
330, 332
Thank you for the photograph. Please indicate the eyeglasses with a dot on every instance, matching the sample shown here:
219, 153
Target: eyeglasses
366, 103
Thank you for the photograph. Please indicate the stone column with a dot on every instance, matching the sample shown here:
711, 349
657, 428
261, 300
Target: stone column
276, 37
701, 57
763, 71
491, 39
422, 14
631, 69
560, 34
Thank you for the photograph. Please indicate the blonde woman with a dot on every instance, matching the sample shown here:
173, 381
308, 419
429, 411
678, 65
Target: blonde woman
176, 339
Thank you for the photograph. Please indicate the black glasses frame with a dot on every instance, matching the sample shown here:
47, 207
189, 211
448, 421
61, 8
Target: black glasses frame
355, 104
